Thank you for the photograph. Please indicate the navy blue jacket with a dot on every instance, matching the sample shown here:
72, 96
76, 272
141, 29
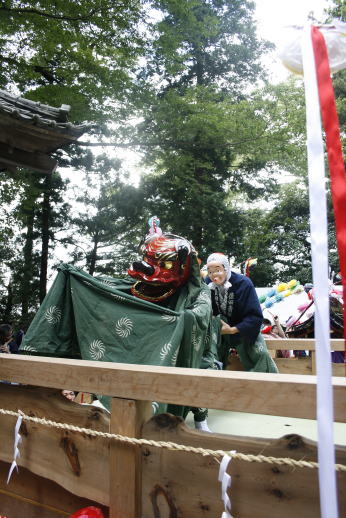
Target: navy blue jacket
246, 314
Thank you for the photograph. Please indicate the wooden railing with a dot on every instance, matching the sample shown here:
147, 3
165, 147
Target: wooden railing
237, 391
296, 365
302, 344
303, 365
133, 388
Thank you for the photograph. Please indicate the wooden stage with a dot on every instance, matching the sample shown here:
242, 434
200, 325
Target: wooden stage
62, 470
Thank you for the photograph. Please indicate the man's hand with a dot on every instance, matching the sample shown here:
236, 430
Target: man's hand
226, 329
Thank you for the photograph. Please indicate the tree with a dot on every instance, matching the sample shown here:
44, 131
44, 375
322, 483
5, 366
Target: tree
212, 150
70, 51
280, 237
203, 43
53, 218
29, 240
211, 142
203, 54
22, 263
7, 230
110, 209
66, 51
209, 134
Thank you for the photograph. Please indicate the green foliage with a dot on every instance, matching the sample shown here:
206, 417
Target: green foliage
70, 51
210, 137
63, 52
109, 209
280, 238
200, 42
214, 145
21, 230
337, 10
203, 55
211, 148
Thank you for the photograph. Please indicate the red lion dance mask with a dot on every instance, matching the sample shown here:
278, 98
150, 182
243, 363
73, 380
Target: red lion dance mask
165, 266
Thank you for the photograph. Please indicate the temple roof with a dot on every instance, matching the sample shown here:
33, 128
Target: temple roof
30, 131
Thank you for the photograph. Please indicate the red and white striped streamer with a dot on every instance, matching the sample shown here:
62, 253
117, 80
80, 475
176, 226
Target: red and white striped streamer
334, 150
319, 252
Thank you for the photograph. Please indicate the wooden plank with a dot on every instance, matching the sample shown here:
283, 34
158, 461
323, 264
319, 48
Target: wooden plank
285, 365
127, 418
71, 459
290, 366
291, 395
301, 344
186, 484
313, 362
30, 496
338, 369
294, 365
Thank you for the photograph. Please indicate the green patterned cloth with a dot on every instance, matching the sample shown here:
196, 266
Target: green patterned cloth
253, 356
98, 319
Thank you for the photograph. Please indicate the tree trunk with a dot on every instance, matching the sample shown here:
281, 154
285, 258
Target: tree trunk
9, 303
46, 210
93, 256
28, 264
198, 237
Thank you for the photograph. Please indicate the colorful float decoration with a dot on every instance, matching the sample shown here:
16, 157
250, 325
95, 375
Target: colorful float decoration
297, 313
249, 265
302, 323
279, 293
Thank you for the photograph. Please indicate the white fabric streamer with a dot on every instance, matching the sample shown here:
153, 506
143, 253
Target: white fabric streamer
16, 452
226, 481
319, 253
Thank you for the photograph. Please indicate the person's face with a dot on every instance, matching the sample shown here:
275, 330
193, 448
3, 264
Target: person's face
8, 337
217, 273
69, 394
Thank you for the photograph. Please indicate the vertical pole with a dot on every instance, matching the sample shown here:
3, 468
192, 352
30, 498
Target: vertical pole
313, 362
127, 418
320, 279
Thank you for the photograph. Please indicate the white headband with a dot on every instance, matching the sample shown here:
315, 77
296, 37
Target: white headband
220, 258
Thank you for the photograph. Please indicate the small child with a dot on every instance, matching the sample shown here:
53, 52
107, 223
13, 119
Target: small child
275, 331
7, 343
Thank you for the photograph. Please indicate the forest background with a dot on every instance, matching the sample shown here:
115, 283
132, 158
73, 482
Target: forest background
181, 82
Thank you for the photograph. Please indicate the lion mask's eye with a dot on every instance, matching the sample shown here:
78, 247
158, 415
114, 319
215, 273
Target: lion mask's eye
168, 265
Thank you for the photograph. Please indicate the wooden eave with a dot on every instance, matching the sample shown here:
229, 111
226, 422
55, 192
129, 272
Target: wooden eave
30, 131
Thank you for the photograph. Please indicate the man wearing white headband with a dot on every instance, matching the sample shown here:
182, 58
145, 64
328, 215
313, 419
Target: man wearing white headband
236, 303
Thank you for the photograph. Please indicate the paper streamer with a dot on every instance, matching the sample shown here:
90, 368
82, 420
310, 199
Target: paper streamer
334, 148
319, 253
226, 481
16, 452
